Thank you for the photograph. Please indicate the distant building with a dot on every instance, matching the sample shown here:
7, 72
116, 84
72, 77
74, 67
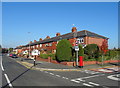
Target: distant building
84, 38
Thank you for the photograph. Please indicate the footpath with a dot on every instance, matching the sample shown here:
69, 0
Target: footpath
46, 66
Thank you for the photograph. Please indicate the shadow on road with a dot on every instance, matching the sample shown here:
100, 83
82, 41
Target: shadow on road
16, 77
116, 64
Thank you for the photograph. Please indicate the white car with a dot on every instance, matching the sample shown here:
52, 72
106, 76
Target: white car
8, 54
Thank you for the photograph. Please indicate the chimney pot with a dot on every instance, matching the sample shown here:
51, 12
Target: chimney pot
47, 37
30, 41
40, 39
74, 29
57, 34
35, 41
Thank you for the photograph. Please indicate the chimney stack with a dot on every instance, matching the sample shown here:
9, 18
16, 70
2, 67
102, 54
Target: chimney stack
74, 29
57, 34
40, 39
30, 41
35, 41
47, 37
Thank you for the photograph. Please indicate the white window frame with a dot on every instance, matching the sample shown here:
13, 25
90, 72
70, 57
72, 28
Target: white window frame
50, 44
40, 45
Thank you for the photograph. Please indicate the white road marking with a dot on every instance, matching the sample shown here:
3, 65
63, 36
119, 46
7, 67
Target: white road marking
8, 81
105, 70
87, 84
81, 80
65, 78
94, 84
114, 78
94, 72
90, 76
51, 73
2, 65
75, 81
58, 75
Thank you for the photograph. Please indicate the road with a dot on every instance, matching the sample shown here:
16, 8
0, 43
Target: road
14, 74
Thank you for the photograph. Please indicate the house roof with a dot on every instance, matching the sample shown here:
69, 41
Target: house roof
70, 35
82, 33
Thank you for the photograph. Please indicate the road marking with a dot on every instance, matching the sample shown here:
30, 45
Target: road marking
2, 65
90, 76
94, 84
114, 78
58, 75
87, 84
75, 81
51, 73
8, 81
105, 70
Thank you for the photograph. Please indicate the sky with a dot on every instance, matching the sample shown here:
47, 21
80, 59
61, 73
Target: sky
28, 21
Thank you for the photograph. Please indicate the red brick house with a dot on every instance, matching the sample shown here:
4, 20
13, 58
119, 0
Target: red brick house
49, 44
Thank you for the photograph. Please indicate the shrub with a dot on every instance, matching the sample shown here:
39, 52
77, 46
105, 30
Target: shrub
81, 51
64, 51
52, 56
92, 50
85, 57
44, 56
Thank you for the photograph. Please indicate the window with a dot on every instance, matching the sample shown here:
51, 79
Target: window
40, 45
50, 44
37, 46
46, 44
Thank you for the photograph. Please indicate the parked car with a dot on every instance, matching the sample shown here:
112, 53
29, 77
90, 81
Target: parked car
14, 56
10, 55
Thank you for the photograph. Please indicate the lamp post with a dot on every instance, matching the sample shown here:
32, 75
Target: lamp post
76, 47
29, 47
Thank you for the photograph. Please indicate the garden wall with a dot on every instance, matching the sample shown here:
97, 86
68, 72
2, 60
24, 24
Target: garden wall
74, 63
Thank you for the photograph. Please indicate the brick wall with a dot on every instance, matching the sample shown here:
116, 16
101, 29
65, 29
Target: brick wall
94, 40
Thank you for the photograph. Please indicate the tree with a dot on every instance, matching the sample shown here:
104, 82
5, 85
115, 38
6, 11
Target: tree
10, 49
92, 50
104, 47
64, 50
81, 51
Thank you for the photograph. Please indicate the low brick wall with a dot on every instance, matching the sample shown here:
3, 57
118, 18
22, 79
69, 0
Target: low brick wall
96, 62
74, 63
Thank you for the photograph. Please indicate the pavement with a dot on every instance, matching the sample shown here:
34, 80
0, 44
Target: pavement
42, 65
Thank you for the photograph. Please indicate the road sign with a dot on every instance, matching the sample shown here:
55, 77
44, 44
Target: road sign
35, 52
76, 43
76, 48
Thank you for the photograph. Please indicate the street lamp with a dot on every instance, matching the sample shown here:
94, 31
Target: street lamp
76, 47
29, 47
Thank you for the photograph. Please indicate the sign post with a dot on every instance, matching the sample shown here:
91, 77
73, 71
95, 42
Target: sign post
34, 53
76, 49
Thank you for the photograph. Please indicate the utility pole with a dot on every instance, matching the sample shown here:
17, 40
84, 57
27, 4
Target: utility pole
29, 47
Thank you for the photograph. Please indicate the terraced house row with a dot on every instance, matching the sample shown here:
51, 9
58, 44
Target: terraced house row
48, 44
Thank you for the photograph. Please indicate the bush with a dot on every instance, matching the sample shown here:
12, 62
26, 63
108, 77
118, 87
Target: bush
44, 56
81, 51
85, 57
92, 50
64, 51
52, 56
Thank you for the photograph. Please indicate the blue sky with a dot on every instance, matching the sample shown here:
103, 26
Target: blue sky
43, 19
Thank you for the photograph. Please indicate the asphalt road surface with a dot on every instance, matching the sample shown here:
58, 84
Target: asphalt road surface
14, 74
